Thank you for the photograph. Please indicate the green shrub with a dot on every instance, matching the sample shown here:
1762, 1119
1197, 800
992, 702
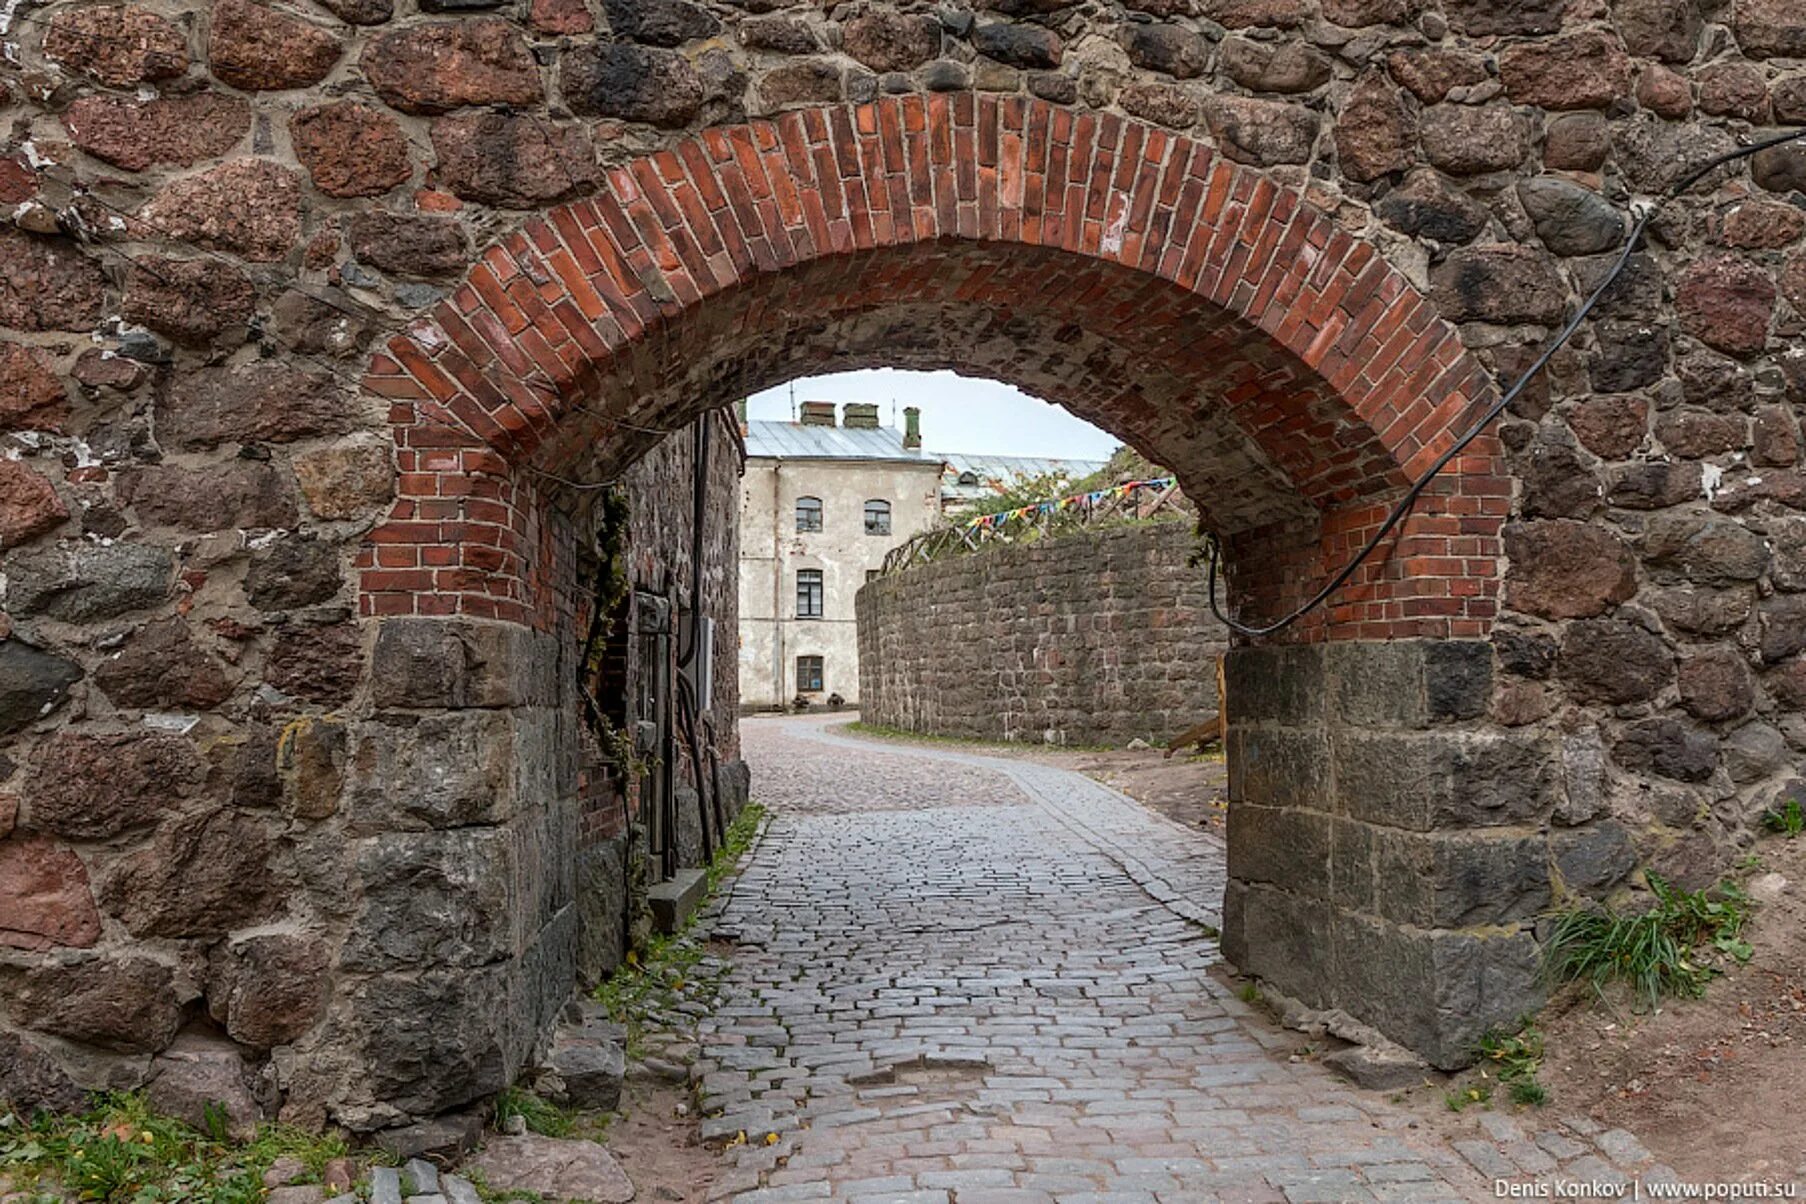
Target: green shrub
1656, 953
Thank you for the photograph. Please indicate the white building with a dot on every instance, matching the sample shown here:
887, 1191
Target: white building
823, 503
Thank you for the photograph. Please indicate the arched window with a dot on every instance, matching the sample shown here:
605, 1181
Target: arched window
877, 517
808, 514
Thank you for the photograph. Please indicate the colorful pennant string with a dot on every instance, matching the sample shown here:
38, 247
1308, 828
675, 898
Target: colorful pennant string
990, 522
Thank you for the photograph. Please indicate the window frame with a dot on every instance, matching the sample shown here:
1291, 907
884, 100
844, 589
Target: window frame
820, 678
804, 594
884, 511
797, 510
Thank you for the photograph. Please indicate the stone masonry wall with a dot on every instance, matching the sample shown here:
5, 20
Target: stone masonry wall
234, 576
659, 489
1097, 637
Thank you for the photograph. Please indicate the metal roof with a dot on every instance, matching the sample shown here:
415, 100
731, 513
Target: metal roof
794, 441
1012, 468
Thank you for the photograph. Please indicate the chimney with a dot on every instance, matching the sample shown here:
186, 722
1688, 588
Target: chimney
912, 428
740, 417
818, 413
860, 416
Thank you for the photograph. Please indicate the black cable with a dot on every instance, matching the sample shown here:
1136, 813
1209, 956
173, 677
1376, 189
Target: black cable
1213, 549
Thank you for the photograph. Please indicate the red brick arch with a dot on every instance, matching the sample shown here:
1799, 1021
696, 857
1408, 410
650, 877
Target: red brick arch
1195, 307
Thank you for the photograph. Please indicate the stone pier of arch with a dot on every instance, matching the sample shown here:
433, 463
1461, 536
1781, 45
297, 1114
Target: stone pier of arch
1285, 247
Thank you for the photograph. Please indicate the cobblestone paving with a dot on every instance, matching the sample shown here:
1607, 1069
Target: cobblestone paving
967, 980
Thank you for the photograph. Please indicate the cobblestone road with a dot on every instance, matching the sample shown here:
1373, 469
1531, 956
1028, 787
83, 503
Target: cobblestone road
964, 980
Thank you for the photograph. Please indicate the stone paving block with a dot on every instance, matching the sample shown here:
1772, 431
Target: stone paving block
785, 1195
1486, 1158
1622, 1147
385, 1185
1529, 1157
1557, 1145
1594, 1169
958, 1180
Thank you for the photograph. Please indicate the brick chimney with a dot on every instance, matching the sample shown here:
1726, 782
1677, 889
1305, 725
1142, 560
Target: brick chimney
860, 416
818, 413
912, 428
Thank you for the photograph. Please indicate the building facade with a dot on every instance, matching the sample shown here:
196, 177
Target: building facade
822, 502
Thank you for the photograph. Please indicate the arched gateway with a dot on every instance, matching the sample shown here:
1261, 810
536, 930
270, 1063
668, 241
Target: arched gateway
1205, 313
295, 762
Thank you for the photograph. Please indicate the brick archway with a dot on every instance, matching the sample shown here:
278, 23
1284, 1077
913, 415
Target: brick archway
1286, 371
1193, 306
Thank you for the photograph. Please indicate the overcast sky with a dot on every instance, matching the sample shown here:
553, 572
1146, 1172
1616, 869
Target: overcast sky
959, 413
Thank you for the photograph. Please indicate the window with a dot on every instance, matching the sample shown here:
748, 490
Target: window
808, 514
808, 593
877, 517
808, 675
873, 574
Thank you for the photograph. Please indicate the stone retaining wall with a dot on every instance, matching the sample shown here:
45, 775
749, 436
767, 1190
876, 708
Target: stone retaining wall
1096, 637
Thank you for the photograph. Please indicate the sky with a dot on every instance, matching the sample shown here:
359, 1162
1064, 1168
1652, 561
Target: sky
959, 413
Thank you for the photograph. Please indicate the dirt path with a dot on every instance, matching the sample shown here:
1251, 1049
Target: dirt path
1712, 1083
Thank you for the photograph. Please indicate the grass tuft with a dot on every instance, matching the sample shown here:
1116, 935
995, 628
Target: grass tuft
1463, 1098
1515, 1058
1788, 821
1660, 952
120, 1152
647, 983
540, 1116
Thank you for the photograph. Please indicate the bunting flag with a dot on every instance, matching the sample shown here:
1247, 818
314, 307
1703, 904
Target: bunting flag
990, 522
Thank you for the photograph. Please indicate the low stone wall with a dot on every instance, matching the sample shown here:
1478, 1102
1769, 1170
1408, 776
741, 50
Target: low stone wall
1097, 637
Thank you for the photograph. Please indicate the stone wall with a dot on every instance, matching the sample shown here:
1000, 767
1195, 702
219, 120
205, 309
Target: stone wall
1389, 849
1100, 636
615, 859
318, 322
369, 893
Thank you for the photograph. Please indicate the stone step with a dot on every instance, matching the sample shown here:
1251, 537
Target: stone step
675, 900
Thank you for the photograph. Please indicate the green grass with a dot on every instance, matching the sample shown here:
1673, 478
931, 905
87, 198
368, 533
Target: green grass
1249, 993
540, 1116
647, 983
1461, 1099
120, 1152
1514, 1059
1789, 820
734, 842
1660, 952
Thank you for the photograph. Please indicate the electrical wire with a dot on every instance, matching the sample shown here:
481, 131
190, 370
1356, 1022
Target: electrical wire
1213, 549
